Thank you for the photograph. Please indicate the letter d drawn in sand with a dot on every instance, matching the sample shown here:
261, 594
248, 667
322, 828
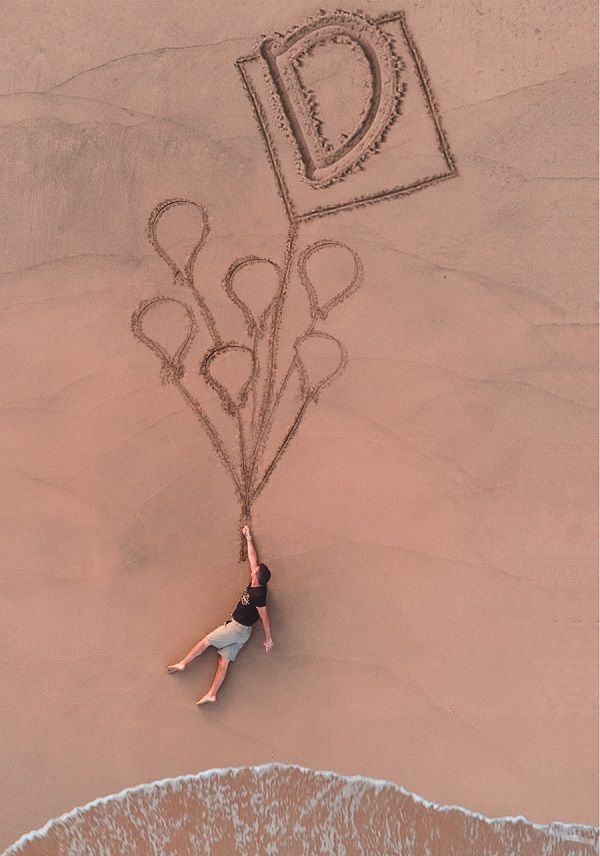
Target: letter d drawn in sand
322, 162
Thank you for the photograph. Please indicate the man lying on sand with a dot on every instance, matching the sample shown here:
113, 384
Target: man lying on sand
230, 637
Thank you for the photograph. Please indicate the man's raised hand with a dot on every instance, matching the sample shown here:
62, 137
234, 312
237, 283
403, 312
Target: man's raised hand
246, 532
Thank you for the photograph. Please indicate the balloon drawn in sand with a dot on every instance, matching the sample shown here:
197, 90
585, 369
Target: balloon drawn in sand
253, 419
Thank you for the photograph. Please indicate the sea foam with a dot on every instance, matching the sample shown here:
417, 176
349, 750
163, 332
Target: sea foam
284, 810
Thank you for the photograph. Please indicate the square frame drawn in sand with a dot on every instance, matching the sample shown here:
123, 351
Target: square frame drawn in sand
414, 148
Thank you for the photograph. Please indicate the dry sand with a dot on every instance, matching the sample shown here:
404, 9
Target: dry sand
431, 527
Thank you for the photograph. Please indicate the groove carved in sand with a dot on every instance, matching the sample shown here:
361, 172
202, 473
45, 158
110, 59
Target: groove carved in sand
248, 475
320, 161
288, 109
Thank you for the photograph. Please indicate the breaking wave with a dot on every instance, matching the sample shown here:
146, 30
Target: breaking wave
285, 810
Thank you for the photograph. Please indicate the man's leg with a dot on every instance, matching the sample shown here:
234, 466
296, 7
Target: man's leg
201, 646
211, 695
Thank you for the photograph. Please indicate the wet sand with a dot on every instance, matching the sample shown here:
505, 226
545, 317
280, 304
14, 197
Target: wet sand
291, 811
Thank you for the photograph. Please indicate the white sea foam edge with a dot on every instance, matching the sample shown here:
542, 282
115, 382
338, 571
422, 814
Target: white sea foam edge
573, 828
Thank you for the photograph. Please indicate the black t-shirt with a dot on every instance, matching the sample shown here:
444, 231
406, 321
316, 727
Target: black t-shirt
246, 611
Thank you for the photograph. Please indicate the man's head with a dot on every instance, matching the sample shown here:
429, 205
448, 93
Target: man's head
264, 575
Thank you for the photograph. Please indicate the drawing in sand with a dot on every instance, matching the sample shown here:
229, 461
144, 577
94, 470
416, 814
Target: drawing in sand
397, 110
248, 477
388, 142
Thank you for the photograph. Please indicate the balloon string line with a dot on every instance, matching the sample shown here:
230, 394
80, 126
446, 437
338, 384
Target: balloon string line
292, 430
245, 515
268, 391
244, 471
206, 313
253, 388
214, 437
294, 362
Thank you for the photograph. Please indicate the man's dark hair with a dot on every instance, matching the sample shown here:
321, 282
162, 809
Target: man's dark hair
264, 574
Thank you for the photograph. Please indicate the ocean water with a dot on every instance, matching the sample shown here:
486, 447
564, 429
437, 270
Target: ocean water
284, 810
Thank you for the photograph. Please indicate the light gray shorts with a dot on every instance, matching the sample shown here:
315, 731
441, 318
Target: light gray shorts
229, 638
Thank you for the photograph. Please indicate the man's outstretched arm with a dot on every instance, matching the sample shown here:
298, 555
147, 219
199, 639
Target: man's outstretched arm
252, 557
264, 615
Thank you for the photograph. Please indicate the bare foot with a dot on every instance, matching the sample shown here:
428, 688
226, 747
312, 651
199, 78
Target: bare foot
176, 667
207, 698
